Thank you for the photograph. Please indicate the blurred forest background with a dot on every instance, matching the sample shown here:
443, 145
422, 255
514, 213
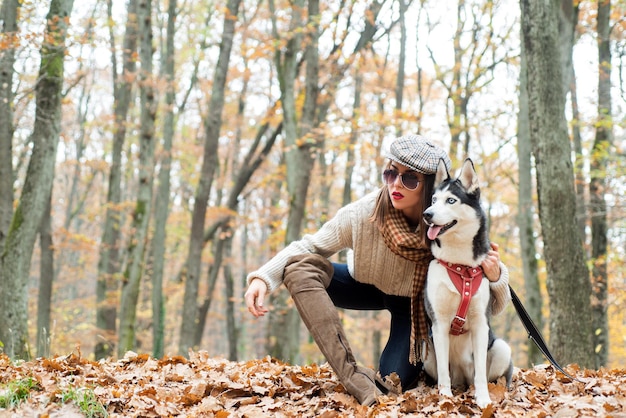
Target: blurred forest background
154, 152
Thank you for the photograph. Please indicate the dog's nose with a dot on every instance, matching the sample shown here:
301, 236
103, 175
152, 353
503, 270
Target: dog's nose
428, 215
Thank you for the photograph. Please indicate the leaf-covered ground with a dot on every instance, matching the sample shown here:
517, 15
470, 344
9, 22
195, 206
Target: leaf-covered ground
141, 386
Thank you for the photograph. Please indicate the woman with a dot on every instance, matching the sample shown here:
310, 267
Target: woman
390, 259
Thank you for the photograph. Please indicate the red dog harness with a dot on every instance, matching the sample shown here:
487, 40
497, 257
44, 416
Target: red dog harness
463, 279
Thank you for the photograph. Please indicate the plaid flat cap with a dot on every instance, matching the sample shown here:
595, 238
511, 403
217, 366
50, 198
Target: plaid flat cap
418, 153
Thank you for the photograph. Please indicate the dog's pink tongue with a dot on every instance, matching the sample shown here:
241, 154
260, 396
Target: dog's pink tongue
433, 231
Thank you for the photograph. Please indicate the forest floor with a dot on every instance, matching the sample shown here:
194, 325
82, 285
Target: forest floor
202, 386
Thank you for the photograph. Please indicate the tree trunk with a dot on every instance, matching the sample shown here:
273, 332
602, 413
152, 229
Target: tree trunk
300, 142
568, 20
420, 90
237, 170
300, 146
214, 269
598, 208
568, 276
46, 279
244, 243
9, 13
455, 93
281, 322
26, 220
399, 91
285, 323
250, 164
354, 133
141, 216
161, 210
213, 122
109, 257
526, 211
579, 173
232, 331
75, 202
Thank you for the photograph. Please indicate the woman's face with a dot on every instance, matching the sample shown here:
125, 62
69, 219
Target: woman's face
399, 179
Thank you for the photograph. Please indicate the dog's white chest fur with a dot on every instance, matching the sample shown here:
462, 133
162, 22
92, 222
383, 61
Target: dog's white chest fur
445, 298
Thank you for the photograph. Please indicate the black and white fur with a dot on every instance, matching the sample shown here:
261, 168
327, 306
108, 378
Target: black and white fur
457, 226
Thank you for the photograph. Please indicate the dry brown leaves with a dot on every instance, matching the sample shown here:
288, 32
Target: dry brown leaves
141, 386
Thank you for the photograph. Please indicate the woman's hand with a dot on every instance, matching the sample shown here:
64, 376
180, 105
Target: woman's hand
491, 264
254, 297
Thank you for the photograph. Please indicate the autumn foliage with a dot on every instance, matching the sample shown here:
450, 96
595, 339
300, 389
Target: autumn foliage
203, 386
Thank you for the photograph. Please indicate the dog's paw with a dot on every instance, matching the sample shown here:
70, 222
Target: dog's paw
445, 391
483, 400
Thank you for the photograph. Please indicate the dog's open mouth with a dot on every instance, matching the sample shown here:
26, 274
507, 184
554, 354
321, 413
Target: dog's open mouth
435, 230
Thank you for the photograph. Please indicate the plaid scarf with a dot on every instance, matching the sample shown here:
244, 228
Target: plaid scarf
403, 242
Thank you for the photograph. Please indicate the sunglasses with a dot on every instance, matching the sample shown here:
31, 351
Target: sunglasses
409, 180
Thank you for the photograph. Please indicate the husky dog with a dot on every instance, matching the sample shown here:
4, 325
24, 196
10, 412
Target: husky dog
465, 349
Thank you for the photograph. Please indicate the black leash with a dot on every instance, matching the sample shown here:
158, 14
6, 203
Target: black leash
534, 334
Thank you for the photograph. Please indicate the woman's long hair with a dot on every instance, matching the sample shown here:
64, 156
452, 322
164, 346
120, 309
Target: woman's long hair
384, 205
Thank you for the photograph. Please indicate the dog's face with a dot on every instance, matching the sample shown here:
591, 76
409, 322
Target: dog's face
455, 212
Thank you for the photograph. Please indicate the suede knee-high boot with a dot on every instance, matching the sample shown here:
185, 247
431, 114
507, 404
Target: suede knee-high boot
307, 277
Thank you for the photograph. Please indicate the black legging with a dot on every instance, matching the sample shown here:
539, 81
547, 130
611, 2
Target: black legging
347, 293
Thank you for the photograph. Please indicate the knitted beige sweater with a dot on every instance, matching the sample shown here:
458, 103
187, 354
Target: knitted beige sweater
372, 262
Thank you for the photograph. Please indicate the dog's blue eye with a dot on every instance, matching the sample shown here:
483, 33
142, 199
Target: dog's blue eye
451, 201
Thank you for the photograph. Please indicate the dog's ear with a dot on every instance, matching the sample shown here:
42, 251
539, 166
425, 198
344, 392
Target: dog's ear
468, 176
442, 173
